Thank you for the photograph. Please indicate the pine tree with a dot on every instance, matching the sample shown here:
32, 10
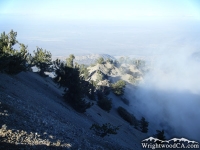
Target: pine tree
69, 61
100, 76
42, 59
83, 71
118, 87
75, 87
12, 61
19, 61
160, 135
144, 125
104, 102
127, 116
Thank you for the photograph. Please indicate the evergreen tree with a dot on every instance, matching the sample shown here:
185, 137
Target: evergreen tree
99, 76
75, 86
104, 102
75, 93
144, 125
42, 59
19, 61
160, 135
12, 61
127, 116
69, 61
88, 88
118, 87
84, 71
91, 92
7, 41
100, 60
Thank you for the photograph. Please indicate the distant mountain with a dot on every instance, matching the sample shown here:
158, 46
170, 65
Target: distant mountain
91, 58
87, 59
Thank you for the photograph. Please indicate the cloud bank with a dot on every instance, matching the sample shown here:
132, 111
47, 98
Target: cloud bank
170, 96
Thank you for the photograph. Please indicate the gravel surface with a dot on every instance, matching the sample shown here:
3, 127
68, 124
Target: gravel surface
33, 115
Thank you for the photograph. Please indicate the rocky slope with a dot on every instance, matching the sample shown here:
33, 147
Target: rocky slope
33, 115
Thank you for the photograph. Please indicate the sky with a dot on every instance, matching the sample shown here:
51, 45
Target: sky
101, 9
114, 27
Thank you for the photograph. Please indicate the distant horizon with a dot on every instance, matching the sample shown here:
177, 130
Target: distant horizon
110, 27
113, 38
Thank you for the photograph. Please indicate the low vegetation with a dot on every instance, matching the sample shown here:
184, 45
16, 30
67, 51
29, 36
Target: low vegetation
104, 130
100, 60
104, 102
118, 87
141, 125
130, 118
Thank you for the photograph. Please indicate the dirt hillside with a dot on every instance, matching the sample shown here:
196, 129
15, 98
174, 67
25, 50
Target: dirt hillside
33, 115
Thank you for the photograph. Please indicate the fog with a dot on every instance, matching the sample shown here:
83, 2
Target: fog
169, 97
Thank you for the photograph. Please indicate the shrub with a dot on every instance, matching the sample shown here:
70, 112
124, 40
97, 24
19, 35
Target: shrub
104, 102
104, 130
100, 60
118, 87
127, 116
100, 76
84, 71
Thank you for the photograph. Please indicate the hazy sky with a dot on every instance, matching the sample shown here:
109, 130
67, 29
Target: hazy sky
101, 9
103, 26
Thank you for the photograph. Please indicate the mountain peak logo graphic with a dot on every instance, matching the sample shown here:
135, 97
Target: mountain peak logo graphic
152, 139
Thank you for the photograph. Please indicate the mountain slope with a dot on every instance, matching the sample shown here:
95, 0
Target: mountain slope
87, 59
34, 115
